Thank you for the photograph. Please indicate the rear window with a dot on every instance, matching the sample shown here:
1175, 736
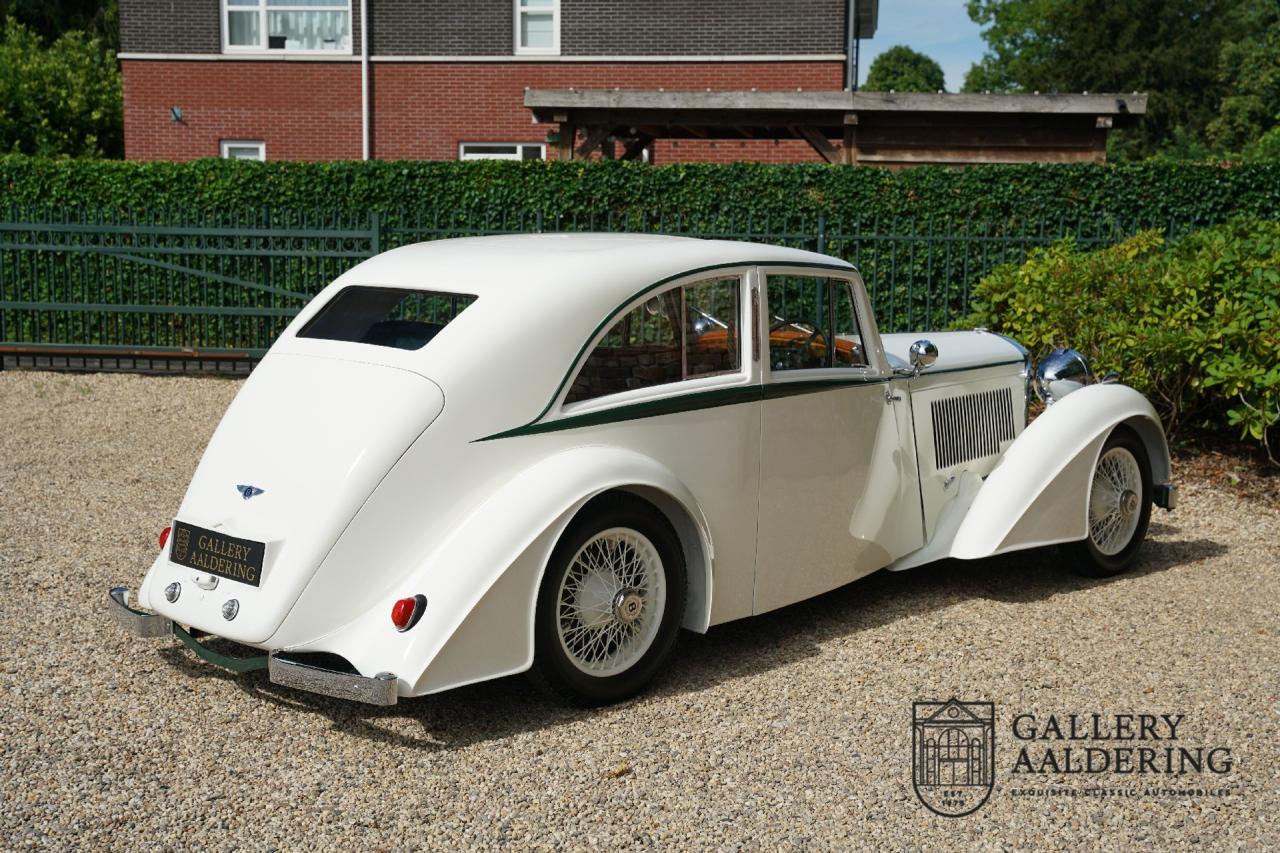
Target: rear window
385, 316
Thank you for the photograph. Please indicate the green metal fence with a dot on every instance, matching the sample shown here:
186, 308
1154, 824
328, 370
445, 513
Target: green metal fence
225, 283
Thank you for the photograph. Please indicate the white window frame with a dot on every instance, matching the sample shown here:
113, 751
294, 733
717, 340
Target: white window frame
261, 47
554, 9
225, 145
518, 156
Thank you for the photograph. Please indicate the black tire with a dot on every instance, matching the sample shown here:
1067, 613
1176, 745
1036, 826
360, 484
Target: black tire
553, 670
1086, 557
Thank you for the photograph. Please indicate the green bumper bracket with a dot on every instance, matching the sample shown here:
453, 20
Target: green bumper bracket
224, 661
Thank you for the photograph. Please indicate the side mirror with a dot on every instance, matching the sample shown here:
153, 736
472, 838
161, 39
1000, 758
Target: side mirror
922, 354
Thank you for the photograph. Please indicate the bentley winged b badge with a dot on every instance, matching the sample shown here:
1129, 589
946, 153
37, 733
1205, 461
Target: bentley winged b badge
247, 492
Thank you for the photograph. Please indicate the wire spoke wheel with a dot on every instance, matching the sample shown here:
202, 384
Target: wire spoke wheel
1115, 501
611, 601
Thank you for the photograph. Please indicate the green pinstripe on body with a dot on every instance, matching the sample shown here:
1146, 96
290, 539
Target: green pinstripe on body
710, 399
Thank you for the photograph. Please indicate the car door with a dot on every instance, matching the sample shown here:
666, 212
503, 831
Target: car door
839, 487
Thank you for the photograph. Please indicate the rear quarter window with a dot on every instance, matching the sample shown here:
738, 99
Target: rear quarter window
385, 316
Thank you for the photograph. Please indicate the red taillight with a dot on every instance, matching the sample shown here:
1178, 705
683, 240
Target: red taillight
406, 612
164, 536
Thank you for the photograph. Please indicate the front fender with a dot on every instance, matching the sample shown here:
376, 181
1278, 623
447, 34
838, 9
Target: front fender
482, 581
1039, 492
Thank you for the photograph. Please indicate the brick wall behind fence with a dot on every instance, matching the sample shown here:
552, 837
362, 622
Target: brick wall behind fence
311, 110
302, 110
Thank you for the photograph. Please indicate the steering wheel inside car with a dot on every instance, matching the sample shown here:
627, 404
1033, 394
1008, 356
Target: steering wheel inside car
794, 354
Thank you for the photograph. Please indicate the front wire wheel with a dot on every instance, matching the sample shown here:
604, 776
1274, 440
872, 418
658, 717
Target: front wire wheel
610, 603
1119, 507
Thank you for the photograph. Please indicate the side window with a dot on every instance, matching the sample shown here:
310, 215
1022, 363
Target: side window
683, 333
848, 339
812, 324
711, 327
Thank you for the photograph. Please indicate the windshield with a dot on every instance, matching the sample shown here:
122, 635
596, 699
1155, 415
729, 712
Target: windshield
385, 316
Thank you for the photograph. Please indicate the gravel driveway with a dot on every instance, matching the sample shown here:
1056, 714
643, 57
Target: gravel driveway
783, 731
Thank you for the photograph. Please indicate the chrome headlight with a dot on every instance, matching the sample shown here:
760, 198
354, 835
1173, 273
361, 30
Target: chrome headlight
1061, 372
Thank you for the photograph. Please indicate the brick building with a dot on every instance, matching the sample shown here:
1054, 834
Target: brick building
296, 80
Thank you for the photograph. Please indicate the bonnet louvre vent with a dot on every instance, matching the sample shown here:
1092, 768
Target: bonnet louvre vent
971, 426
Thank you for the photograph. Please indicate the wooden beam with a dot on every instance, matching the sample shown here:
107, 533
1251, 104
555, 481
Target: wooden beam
819, 143
595, 136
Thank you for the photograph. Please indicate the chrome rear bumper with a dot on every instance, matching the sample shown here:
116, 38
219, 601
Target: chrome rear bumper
378, 690
137, 621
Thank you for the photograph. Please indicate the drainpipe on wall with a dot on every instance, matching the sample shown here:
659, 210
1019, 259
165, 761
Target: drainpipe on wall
364, 80
851, 48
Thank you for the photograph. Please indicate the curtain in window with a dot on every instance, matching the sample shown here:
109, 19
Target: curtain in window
309, 30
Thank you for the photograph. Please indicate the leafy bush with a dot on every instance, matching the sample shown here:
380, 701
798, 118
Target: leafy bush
64, 99
1194, 325
744, 196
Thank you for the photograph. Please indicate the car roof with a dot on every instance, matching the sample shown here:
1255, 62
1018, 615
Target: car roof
554, 266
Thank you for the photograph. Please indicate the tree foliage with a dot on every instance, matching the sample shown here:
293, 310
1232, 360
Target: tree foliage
901, 69
64, 99
1249, 69
51, 18
1167, 48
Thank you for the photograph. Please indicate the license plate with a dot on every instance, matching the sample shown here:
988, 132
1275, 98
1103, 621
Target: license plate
217, 553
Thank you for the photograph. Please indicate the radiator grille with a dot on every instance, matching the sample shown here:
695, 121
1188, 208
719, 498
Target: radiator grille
971, 426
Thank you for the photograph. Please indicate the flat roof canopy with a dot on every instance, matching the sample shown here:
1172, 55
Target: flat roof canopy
870, 120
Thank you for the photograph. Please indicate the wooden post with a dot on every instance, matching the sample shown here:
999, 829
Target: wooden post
564, 148
850, 152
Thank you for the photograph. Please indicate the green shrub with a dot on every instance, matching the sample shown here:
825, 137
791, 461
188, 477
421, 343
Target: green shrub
740, 196
1194, 325
60, 99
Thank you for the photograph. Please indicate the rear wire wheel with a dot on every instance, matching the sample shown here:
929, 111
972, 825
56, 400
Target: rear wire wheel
1119, 507
610, 603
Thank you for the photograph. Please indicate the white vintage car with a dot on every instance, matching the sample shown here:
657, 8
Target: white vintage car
471, 458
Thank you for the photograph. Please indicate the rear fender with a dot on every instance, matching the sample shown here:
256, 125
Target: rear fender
1039, 492
482, 582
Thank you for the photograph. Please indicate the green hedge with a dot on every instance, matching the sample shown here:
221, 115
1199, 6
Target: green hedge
700, 194
1194, 325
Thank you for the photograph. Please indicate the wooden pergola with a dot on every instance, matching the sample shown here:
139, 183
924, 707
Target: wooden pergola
873, 128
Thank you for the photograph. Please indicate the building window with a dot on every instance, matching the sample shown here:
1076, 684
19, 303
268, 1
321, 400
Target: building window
296, 26
538, 26
241, 150
502, 151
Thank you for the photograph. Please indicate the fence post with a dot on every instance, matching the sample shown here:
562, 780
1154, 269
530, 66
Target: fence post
822, 234
375, 234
